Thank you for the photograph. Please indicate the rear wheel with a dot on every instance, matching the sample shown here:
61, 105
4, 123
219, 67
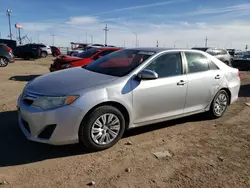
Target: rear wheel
44, 54
4, 62
102, 128
219, 104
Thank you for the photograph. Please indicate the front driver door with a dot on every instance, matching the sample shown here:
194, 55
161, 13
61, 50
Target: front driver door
162, 97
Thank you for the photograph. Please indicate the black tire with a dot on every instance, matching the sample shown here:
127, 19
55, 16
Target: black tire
213, 113
88, 122
228, 63
55, 54
4, 62
44, 54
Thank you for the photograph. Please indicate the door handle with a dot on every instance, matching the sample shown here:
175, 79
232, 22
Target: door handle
217, 77
181, 83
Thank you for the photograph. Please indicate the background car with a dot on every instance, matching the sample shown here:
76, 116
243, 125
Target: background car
75, 51
55, 51
84, 58
96, 104
28, 51
45, 50
221, 54
6, 55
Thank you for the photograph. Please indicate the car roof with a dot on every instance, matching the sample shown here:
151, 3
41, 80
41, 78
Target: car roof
109, 48
152, 49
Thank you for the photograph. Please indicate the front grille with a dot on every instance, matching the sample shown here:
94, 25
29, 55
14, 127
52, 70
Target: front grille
47, 132
26, 125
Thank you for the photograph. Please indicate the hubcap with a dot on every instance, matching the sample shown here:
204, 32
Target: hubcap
220, 104
3, 62
105, 129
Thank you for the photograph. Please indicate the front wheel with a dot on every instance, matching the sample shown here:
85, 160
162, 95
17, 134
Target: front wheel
102, 129
4, 62
219, 104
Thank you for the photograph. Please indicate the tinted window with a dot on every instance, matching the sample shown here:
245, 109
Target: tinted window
119, 63
196, 62
103, 53
106, 52
88, 53
169, 64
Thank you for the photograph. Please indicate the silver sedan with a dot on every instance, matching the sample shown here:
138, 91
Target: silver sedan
129, 88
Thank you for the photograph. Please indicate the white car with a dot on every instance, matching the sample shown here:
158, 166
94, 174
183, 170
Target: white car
45, 50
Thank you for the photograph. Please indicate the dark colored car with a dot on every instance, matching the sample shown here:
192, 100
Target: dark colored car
6, 55
55, 51
84, 58
242, 63
28, 51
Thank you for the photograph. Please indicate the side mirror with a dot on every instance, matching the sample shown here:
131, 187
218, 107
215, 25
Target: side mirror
147, 75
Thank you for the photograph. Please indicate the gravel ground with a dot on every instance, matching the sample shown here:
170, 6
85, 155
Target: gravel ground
200, 152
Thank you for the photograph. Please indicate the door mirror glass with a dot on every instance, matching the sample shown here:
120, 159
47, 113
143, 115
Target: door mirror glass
147, 75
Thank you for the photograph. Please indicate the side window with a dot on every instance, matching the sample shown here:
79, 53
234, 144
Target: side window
196, 62
212, 66
166, 65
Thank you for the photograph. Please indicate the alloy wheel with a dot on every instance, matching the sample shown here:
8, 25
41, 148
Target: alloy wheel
220, 104
3, 62
105, 129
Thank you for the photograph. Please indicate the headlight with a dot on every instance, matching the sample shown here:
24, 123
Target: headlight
53, 102
66, 65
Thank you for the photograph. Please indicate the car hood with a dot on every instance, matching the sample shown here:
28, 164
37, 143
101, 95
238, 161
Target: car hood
63, 82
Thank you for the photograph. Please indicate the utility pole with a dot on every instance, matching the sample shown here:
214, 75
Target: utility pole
136, 39
53, 39
206, 39
91, 38
106, 33
8, 14
157, 43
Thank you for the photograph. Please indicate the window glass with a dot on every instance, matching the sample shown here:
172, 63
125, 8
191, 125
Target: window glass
88, 53
119, 63
212, 66
196, 62
166, 65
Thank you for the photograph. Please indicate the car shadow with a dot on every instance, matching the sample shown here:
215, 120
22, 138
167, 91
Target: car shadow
23, 78
244, 90
17, 150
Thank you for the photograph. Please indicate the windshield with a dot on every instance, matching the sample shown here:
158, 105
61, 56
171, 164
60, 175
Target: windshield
119, 63
88, 53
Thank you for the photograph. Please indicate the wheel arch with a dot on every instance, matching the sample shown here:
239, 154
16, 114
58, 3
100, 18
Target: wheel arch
117, 105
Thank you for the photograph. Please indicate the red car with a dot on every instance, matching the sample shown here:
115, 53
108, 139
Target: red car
84, 58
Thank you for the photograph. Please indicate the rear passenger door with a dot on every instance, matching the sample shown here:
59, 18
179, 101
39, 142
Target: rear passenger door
204, 80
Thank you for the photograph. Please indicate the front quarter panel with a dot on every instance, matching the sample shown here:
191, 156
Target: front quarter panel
119, 92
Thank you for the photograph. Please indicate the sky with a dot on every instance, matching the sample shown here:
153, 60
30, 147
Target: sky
179, 23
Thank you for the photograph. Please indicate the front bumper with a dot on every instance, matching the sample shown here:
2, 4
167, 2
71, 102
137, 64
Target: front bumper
66, 119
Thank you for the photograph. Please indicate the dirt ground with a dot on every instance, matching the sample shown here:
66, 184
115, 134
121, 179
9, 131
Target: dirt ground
202, 153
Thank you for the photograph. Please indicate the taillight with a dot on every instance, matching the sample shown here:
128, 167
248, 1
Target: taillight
7, 48
239, 74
